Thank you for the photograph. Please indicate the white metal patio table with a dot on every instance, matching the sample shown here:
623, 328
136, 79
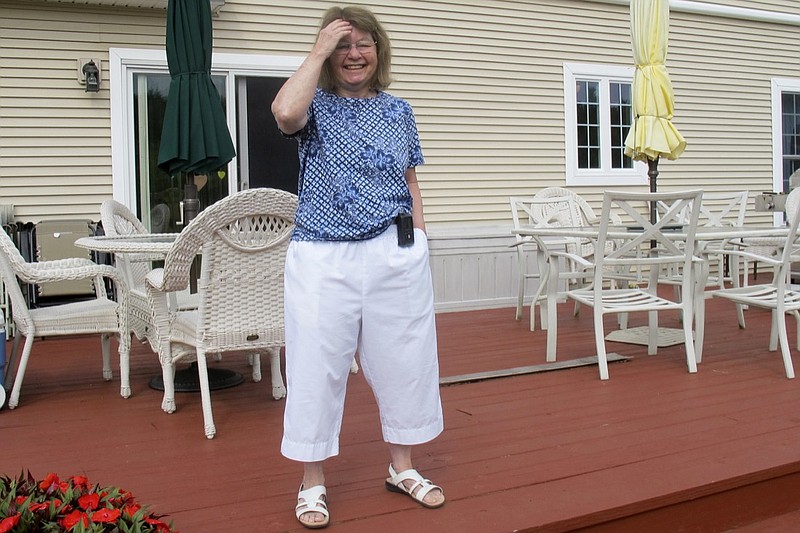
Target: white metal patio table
548, 237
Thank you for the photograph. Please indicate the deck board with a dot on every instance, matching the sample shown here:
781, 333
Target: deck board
550, 451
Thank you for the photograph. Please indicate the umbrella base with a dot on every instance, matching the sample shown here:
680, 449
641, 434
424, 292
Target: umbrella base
188, 380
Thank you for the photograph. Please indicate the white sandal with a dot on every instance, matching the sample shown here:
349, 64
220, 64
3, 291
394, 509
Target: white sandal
418, 490
313, 500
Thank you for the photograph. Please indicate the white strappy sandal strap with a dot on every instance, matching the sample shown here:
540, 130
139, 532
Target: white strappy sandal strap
418, 489
312, 500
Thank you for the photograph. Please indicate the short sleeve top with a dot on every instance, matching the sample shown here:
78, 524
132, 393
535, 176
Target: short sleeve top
354, 153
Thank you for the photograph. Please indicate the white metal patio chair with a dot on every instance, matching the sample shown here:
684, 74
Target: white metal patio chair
778, 295
717, 209
243, 238
767, 246
98, 315
634, 254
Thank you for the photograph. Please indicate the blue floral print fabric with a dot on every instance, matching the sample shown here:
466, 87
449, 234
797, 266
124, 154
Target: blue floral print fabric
354, 153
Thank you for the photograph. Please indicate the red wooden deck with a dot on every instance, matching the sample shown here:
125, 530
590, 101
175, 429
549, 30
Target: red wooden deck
654, 448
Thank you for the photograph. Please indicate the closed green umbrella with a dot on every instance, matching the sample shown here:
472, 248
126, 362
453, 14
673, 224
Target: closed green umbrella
195, 136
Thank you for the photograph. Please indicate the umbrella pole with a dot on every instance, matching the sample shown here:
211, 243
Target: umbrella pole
652, 173
191, 207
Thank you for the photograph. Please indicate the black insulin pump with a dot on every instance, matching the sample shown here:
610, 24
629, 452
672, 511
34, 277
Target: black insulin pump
405, 229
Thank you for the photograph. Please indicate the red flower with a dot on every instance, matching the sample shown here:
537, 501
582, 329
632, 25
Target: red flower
123, 497
41, 506
72, 519
131, 508
160, 526
89, 501
106, 516
49, 480
38, 506
80, 482
7, 524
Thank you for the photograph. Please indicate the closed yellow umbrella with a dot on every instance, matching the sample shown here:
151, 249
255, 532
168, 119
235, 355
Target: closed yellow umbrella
653, 135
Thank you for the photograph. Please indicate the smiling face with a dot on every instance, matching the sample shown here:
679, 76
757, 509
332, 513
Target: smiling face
354, 65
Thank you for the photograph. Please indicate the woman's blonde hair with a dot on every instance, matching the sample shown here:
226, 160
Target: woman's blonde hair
364, 20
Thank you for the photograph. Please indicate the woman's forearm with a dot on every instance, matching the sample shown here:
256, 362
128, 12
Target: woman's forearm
291, 104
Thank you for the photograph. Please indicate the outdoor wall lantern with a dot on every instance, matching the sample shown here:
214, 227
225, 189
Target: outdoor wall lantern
89, 74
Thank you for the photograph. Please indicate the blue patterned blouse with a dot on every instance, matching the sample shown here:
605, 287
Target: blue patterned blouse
354, 153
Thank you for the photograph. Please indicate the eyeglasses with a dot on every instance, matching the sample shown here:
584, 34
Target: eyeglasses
363, 47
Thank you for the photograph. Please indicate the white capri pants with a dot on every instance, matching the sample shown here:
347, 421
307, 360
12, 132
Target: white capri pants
375, 297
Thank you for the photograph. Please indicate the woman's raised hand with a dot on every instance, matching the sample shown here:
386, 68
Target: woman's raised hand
330, 36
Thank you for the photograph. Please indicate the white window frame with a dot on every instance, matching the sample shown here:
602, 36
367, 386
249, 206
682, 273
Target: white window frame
124, 62
779, 86
604, 176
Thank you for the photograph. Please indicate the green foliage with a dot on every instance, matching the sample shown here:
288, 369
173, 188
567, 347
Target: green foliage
55, 506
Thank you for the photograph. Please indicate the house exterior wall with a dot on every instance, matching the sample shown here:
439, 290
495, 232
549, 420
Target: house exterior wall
485, 80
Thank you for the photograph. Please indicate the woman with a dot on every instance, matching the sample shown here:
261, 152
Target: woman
353, 281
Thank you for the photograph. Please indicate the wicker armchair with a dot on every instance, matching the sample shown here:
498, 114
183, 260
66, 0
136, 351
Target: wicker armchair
99, 315
243, 238
119, 220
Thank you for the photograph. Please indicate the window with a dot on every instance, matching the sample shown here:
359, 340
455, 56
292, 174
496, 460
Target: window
786, 132
790, 104
246, 84
598, 115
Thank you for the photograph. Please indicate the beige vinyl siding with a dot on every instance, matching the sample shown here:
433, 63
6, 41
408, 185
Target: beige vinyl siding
485, 79
55, 139
486, 82
721, 75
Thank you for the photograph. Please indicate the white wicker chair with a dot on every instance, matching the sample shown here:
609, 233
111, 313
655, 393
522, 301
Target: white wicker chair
99, 315
543, 212
586, 216
117, 220
244, 238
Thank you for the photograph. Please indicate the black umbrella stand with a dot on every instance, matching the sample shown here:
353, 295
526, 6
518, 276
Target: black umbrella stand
188, 379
